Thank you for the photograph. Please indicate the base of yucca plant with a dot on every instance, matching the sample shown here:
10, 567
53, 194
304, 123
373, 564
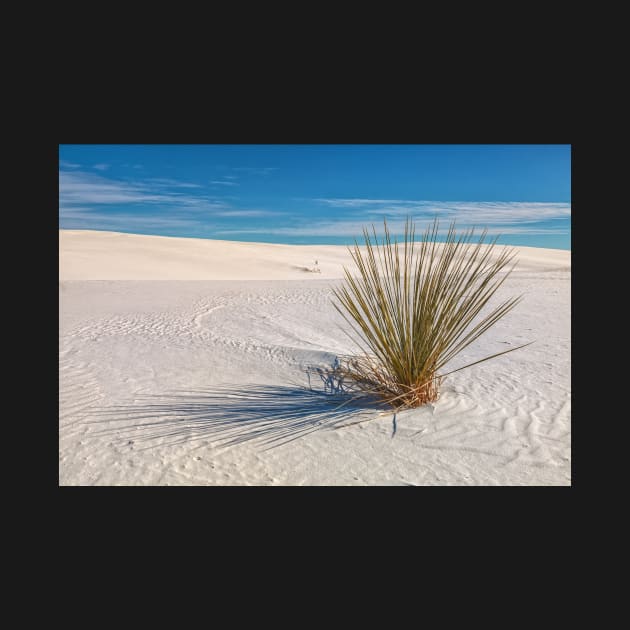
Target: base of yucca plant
364, 375
419, 395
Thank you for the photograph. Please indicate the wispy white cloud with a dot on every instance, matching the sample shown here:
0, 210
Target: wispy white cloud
360, 203
64, 164
197, 205
72, 211
87, 200
354, 228
247, 213
84, 218
79, 188
223, 183
172, 183
463, 212
101, 167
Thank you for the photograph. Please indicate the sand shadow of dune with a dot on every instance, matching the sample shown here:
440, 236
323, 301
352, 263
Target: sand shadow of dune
269, 414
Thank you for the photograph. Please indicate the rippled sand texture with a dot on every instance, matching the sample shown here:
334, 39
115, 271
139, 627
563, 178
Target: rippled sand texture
202, 381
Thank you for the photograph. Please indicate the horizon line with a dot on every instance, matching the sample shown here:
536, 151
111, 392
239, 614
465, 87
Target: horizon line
350, 239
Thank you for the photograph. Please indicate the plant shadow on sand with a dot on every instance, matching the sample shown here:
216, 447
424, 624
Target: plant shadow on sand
271, 415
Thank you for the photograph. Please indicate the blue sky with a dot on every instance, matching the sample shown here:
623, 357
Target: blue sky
310, 194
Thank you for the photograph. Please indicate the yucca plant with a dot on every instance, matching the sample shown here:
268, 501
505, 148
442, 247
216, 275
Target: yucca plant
415, 305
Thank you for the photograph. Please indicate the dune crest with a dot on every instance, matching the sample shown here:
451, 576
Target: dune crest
95, 255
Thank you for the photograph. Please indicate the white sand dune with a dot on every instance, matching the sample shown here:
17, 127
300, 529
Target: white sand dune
182, 362
89, 255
